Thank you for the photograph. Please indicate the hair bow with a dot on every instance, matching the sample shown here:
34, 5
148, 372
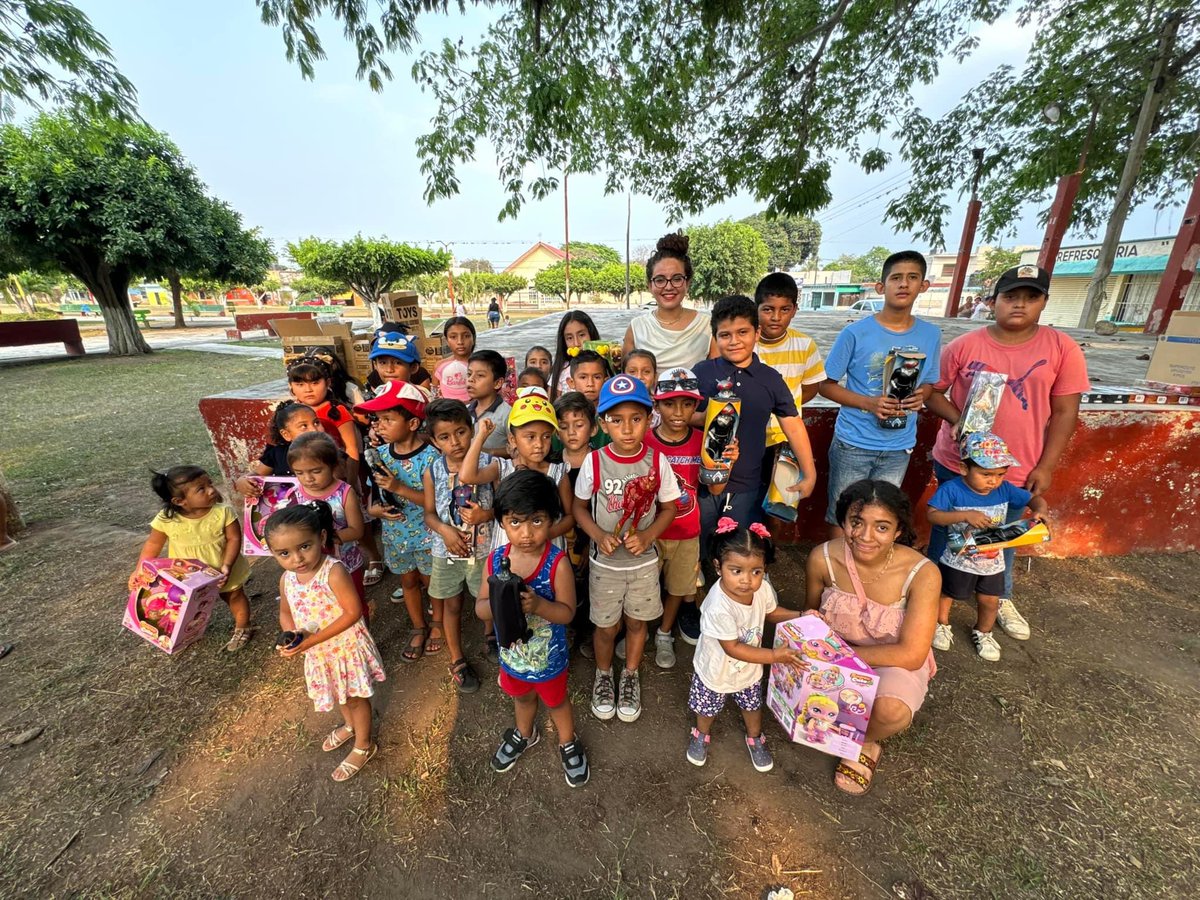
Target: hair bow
760, 529
726, 525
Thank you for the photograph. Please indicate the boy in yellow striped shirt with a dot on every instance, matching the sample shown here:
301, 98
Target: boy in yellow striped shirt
790, 352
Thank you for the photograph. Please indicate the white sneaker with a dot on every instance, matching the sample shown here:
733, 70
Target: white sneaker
664, 650
985, 645
943, 637
1011, 621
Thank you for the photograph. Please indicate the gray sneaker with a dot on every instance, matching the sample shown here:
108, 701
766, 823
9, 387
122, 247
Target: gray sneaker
604, 696
629, 706
760, 756
664, 650
511, 748
619, 649
575, 763
697, 752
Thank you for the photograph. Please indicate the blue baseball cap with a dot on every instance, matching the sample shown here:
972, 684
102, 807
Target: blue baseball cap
623, 389
397, 345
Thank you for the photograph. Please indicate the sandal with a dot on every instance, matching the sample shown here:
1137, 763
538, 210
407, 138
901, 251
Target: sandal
373, 573
398, 595
238, 639
863, 781
435, 644
333, 741
414, 651
492, 650
464, 676
347, 770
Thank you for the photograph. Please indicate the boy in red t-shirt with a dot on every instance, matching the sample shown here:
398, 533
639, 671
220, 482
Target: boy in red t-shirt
1047, 376
676, 395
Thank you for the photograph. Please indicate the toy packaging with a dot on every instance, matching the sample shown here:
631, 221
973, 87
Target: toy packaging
982, 403
721, 420
508, 390
901, 372
780, 502
277, 493
171, 601
1023, 533
828, 706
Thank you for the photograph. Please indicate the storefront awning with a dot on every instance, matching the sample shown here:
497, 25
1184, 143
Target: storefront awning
1128, 265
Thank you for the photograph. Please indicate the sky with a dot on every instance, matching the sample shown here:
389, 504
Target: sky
331, 158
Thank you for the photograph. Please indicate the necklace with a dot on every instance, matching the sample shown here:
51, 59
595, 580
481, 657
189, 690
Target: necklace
887, 564
667, 323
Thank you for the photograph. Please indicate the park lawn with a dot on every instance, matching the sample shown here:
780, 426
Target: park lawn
1066, 770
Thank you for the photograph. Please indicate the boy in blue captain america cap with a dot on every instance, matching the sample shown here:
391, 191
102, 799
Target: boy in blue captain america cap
624, 500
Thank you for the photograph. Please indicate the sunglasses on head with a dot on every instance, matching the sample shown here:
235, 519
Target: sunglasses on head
682, 384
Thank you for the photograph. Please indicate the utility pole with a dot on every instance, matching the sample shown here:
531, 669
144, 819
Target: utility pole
567, 240
628, 220
968, 238
1059, 219
1133, 165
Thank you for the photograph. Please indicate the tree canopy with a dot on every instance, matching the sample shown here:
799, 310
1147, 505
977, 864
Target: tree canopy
995, 261
792, 241
103, 200
51, 55
592, 256
476, 266
728, 258
864, 267
371, 266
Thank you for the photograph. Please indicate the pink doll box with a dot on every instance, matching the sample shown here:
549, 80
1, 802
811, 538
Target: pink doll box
828, 706
277, 493
172, 601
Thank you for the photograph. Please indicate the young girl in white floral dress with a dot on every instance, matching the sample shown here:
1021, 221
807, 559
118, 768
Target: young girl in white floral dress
319, 604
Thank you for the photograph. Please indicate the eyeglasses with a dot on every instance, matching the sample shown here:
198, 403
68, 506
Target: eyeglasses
661, 281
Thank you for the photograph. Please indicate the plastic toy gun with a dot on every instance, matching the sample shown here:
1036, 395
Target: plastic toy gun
375, 462
504, 596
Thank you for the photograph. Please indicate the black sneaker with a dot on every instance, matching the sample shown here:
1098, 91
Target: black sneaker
689, 623
575, 764
492, 650
512, 747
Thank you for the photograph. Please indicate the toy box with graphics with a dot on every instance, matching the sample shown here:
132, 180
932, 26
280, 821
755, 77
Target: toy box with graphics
277, 493
171, 601
827, 706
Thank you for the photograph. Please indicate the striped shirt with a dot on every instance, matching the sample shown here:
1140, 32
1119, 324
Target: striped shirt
798, 360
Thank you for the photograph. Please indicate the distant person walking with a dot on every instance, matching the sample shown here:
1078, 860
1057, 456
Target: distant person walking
493, 314
460, 309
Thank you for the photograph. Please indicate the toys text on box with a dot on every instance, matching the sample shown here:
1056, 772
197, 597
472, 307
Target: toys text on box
171, 602
276, 494
828, 705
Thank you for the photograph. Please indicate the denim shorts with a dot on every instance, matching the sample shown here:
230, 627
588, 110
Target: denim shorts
848, 464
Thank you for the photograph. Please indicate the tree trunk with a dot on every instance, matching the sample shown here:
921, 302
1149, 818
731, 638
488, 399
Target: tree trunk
176, 297
13, 523
110, 286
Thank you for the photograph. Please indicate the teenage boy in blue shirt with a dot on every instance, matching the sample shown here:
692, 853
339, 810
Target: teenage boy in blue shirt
862, 447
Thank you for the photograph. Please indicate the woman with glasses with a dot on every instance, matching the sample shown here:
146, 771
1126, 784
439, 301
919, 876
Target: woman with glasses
677, 336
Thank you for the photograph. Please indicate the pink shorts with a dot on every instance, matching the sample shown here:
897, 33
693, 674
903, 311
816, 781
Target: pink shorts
909, 686
552, 692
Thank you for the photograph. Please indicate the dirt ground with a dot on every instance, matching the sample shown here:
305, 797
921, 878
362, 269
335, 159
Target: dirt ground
1066, 770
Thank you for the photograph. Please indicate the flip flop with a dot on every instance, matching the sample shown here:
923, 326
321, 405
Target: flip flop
414, 652
435, 644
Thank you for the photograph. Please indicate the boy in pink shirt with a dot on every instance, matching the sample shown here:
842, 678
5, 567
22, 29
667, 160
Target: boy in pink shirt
1047, 376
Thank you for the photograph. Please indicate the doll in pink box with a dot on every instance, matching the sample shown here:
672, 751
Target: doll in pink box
820, 712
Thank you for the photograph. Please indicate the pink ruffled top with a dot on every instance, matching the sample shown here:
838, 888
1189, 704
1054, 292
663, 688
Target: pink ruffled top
861, 620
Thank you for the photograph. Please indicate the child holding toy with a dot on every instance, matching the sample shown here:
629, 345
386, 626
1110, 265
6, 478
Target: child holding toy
527, 504
398, 499
319, 604
881, 597
290, 420
195, 523
575, 329
450, 375
729, 657
314, 458
980, 498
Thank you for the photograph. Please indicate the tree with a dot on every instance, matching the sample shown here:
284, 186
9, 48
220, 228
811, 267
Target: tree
756, 97
551, 281
1098, 57
431, 286
793, 241
51, 54
317, 287
503, 284
477, 266
728, 258
101, 199
592, 256
611, 279
371, 266
864, 268
995, 262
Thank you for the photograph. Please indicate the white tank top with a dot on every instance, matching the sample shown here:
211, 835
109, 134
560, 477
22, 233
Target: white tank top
672, 348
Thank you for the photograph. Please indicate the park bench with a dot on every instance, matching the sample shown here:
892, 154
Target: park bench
201, 308
43, 331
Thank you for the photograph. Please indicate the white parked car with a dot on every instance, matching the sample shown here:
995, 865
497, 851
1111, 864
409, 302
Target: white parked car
866, 307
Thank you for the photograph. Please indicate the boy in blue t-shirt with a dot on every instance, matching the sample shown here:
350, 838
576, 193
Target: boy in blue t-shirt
862, 447
980, 498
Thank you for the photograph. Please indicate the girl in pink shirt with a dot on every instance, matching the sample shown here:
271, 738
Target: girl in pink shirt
450, 376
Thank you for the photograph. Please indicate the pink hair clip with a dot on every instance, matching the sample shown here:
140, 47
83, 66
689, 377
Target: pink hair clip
725, 525
760, 529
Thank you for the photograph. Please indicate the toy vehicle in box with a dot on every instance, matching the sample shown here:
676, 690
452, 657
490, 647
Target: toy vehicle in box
826, 707
171, 602
277, 493
1002, 537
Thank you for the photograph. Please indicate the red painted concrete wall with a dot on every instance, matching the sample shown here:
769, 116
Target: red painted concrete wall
252, 321
1129, 481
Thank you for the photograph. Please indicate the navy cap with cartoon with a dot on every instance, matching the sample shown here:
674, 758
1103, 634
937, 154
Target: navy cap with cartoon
397, 345
1030, 276
623, 389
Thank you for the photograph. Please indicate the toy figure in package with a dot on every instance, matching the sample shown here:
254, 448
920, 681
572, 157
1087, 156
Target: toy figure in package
171, 601
780, 502
901, 373
720, 428
982, 403
276, 494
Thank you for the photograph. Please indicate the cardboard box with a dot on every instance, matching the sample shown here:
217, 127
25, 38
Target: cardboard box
828, 706
171, 602
277, 493
353, 351
1176, 358
403, 307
